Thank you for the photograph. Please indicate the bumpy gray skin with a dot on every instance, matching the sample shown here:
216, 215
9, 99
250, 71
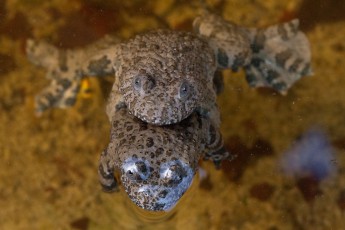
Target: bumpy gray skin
274, 57
230, 43
280, 56
156, 164
164, 76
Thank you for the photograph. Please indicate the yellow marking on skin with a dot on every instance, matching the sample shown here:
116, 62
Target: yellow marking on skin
86, 90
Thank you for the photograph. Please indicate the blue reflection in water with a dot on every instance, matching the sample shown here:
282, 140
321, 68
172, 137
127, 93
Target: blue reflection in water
312, 155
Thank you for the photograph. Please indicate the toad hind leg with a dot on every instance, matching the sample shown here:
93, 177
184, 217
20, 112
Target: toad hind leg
229, 42
281, 56
274, 57
65, 79
66, 69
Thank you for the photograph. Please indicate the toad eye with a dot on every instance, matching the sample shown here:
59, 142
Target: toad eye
173, 173
144, 83
136, 169
137, 82
185, 90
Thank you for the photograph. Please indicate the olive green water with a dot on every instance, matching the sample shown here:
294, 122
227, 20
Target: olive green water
48, 164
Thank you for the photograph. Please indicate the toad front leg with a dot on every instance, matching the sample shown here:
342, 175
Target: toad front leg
106, 173
216, 150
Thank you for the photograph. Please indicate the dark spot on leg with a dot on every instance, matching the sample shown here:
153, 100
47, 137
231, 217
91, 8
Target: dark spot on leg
222, 58
99, 66
50, 98
239, 61
70, 101
295, 65
282, 32
306, 70
259, 42
256, 62
280, 86
282, 57
293, 28
251, 78
103, 174
65, 83
271, 76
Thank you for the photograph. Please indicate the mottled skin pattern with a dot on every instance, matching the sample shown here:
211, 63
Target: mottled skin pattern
230, 42
274, 57
167, 77
156, 164
65, 69
164, 76
280, 57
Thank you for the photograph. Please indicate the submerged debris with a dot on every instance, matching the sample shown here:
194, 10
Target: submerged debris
311, 155
309, 187
262, 191
341, 200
